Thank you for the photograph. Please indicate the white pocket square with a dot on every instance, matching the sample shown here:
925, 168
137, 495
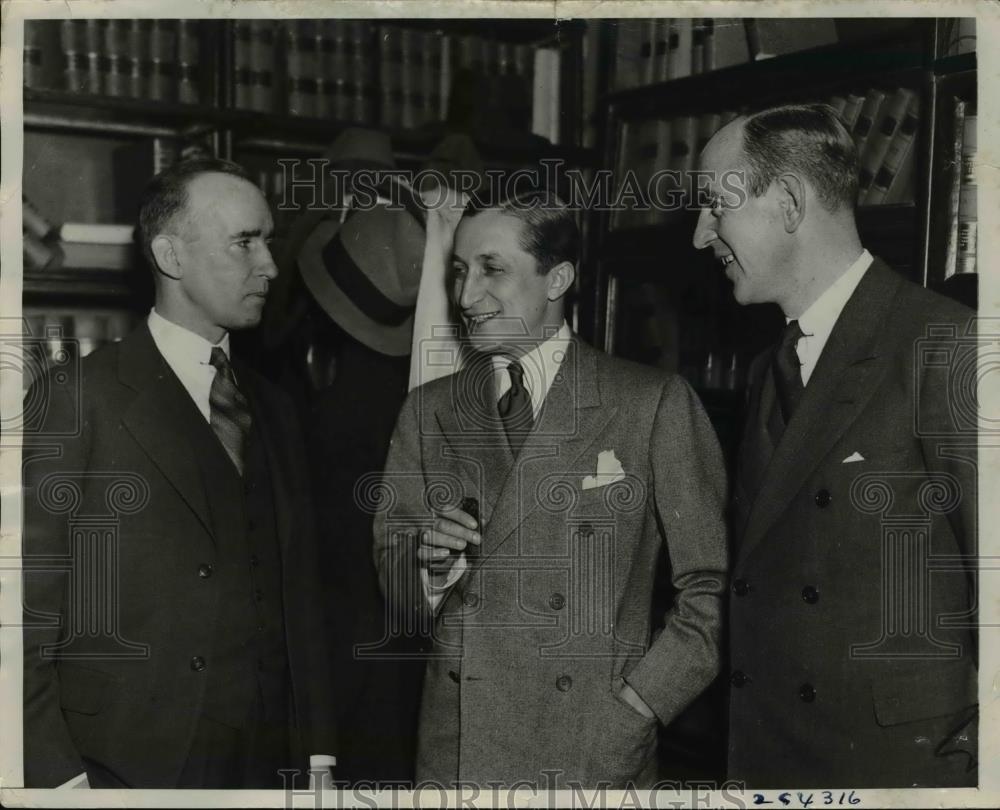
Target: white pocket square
855, 456
609, 470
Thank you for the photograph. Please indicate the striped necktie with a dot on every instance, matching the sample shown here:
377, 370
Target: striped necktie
230, 413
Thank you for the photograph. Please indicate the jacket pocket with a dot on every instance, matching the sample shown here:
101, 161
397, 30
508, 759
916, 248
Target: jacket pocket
83, 690
924, 693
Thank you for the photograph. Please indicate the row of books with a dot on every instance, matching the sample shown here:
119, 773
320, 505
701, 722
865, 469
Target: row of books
648, 51
151, 59
884, 124
963, 208
393, 75
647, 148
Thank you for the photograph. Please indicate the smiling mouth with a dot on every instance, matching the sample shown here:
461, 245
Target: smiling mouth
480, 318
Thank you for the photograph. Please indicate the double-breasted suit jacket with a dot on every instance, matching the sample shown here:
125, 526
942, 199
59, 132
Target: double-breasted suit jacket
531, 645
852, 646
124, 449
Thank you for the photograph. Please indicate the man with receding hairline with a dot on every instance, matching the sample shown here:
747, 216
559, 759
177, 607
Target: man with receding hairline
850, 665
214, 672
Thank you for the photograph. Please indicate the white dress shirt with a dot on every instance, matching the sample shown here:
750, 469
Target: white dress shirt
188, 356
540, 367
818, 321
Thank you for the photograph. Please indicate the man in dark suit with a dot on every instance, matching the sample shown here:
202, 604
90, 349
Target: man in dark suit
172, 598
853, 661
529, 497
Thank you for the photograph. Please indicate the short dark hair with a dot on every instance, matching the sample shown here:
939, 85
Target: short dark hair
165, 196
806, 138
550, 234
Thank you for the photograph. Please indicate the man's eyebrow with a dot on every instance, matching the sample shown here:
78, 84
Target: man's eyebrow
490, 256
247, 234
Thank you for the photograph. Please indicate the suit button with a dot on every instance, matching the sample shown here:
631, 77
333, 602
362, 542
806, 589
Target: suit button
197, 663
259, 595
741, 587
823, 498
453, 675
806, 693
205, 570
471, 599
254, 561
557, 601
260, 628
564, 683
810, 595
739, 679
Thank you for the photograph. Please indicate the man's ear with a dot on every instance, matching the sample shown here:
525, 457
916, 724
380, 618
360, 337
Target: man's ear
561, 278
792, 201
166, 258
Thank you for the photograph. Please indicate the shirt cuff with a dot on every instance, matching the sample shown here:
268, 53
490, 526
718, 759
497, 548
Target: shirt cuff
317, 761
436, 593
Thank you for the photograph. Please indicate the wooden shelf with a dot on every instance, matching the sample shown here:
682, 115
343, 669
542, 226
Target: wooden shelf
892, 58
82, 284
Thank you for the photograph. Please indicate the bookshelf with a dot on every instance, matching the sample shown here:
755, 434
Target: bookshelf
633, 263
94, 88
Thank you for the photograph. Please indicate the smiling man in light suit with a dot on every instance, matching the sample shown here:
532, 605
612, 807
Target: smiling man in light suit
853, 664
530, 496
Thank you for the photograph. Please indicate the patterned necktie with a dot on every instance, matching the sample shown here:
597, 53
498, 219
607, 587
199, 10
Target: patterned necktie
515, 408
787, 371
230, 412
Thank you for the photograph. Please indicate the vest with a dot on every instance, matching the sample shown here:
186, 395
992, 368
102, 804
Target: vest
248, 666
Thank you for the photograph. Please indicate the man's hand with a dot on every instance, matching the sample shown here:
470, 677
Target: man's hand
631, 697
453, 531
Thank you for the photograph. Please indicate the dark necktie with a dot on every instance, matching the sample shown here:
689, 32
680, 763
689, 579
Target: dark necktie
515, 408
230, 413
787, 371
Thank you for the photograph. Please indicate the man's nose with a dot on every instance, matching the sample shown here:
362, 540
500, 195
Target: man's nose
470, 290
267, 267
704, 230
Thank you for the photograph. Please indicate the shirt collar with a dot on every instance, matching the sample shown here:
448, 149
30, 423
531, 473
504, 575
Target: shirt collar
540, 366
181, 347
820, 317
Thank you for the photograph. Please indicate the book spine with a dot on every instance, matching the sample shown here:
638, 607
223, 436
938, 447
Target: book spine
958, 129
623, 160
410, 100
118, 64
661, 163
74, 60
163, 53
361, 74
262, 87
242, 77
851, 111
628, 56
447, 57
188, 61
390, 106
708, 125
968, 207
867, 118
729, 45
679, 48
648, 51
891, 114
895, 156
698, 32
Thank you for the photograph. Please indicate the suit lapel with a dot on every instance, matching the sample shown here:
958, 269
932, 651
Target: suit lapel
841, 385
570, 420
268, 429
163, 420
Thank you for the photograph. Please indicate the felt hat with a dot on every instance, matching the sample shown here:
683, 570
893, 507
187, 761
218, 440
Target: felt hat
365, 272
